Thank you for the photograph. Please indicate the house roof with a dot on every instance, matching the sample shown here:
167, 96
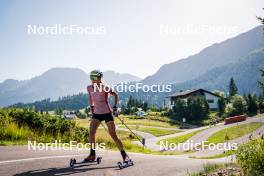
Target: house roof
189, 92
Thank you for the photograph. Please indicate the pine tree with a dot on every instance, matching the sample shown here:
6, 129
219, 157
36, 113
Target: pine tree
261, 83
123, 109
252, 105
180, 109
205, 107
129, 102
58, 111
255, 100
197, 108
261, 103
145, 106
261, 20
232, 87
221, 106
261, 98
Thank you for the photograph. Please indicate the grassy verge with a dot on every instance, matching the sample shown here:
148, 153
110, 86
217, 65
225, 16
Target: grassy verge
152, 130
180, 139
128, 121
103, 136
224, 154
12, 134
149, 120
83, 122
19, 136
233, 132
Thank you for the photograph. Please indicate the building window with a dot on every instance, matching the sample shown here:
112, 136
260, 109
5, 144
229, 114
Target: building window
210, 101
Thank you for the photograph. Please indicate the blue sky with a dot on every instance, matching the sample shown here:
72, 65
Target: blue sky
132, 42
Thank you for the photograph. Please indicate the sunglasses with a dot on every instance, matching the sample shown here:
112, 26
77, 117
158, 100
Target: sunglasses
94, 78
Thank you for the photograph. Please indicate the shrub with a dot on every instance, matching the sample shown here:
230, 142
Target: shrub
11, 132
21, 124
251, 157
237, 106
4, 118
214, 118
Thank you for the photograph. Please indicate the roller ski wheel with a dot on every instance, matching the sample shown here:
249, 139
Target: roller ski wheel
73, 161
125, 164
98, 160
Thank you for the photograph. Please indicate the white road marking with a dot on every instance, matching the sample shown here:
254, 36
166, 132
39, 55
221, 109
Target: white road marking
39, 158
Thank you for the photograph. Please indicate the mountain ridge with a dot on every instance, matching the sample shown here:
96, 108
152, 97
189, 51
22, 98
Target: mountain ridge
213, 56
53, 83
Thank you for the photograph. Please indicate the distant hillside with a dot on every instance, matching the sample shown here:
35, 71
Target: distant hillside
54, 83
10, 84
219, 54
245, 73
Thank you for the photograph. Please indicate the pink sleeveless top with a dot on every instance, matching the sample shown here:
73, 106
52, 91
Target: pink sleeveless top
100, 99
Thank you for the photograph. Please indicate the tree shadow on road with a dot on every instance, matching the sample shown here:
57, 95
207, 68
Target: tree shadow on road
64, 171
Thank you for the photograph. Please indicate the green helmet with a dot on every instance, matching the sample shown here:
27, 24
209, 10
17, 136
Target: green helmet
96, 74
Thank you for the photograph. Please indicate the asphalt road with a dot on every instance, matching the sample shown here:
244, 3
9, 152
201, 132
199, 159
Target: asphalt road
19, 161
151, 142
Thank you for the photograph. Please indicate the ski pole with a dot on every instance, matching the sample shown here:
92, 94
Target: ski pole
143, 143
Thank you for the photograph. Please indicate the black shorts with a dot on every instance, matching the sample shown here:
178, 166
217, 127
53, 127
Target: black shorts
103, 117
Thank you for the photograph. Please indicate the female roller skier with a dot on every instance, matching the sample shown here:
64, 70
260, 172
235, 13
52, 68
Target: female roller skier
102, 112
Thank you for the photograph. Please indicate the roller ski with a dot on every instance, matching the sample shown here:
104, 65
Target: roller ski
126, 161
73, 161
125, 164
